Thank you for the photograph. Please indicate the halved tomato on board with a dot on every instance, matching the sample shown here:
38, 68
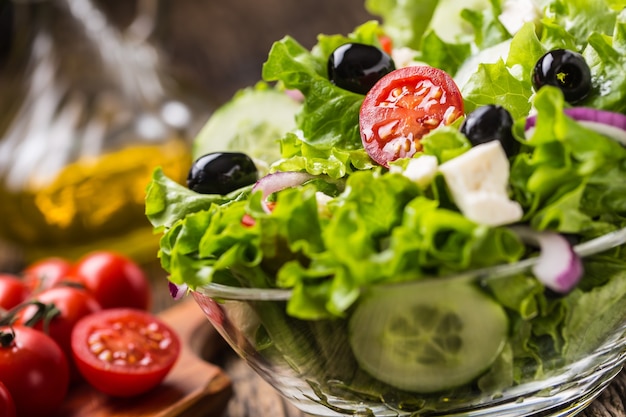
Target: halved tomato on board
403, 107
124, 352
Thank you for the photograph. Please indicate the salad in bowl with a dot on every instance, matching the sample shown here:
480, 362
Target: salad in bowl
419, 218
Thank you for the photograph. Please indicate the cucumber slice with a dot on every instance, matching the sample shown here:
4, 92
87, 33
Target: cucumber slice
252, 122
427, 338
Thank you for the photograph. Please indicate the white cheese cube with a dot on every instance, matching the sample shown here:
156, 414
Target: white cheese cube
478, 181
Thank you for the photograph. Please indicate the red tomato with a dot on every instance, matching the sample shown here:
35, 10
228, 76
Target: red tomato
386, 43
12, 291
124, 352
7, 406
34, 370
70, 305
248, 221
114, 280
403, 107
46, 273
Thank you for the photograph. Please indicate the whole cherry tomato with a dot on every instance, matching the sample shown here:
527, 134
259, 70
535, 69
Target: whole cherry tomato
46, 273
56, 311
7, 406
114, 280
404, 106
124, 352
34, 370
386, 44
12, 291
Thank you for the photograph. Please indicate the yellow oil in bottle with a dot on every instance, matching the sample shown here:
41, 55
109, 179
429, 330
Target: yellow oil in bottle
88, 110
92, 204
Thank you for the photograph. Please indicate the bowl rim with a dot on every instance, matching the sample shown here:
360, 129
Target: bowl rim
594, 246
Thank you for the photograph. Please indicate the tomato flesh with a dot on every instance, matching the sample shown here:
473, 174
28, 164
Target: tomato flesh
124, 352
403, 107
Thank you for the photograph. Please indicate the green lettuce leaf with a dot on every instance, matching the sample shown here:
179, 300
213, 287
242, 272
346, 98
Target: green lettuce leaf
570, 164
606, 58
405, 21
592, 314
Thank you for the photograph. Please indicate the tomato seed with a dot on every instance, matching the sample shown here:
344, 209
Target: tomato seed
387, 130
96, 347
450, 115
105, 356
432, 122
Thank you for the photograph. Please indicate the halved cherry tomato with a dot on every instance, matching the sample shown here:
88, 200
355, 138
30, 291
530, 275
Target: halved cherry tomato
7, 406
12, 291
124, 352
46, 273
113, 279
57, 311
34, 370
403, 107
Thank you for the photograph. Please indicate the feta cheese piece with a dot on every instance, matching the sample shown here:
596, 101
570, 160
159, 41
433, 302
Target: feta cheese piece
421, 170
404, 57
515, 13
322, 203
478, 182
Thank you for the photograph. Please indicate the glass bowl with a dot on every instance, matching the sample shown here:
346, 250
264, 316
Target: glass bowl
486, 358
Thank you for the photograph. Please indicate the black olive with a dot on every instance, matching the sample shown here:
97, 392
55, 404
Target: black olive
221, 173
566, 70
491, 122
357, 67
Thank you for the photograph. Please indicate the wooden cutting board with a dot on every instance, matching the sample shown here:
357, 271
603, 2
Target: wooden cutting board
194, 387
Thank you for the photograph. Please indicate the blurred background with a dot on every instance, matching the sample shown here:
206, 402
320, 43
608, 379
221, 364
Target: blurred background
96, 93
221, 45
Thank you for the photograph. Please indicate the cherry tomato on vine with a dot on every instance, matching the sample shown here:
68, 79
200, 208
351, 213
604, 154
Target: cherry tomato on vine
46, 273
124, 352
114, 280
12, 291
34, 370
56, 311
7, 406
404, 106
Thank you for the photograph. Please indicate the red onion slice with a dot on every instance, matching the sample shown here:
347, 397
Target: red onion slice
177, 291
295, 95
558, 266
278, 181
605, 122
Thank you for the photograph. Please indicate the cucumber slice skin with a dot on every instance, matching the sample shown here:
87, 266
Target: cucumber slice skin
429, 337
252, 122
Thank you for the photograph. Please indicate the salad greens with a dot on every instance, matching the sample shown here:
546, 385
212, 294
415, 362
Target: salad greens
378, 226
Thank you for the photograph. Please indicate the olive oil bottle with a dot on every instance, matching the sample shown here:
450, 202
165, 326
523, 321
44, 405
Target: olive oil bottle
87, 112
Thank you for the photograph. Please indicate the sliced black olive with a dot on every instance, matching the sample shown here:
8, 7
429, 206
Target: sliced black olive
221, 173
357, 67
566, 70
491, 122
